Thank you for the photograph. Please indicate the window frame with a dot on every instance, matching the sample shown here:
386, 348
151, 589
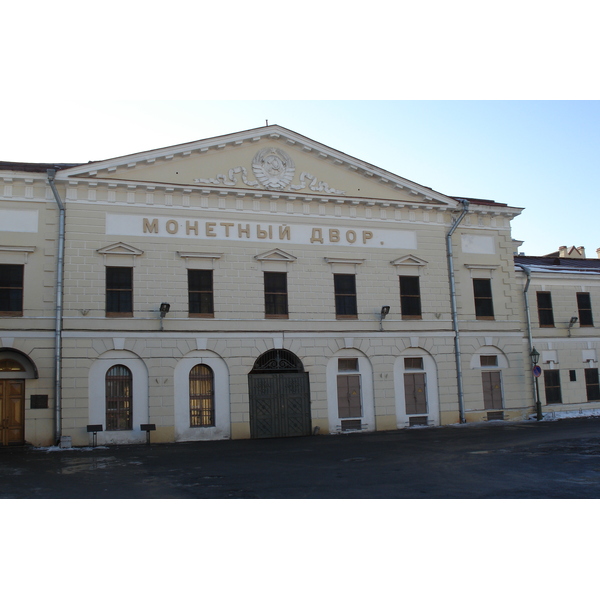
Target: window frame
592, 384
546, 311
203, 297
484, 304
406, 298
112, 293
552, 389
124, 403
346, 304
202, 416
7, 289
586, 318
276, 300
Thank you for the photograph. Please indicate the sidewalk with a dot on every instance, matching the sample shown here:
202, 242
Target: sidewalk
491, 460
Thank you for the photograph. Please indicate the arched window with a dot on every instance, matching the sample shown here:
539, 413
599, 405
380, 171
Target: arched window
119, 398
202, 397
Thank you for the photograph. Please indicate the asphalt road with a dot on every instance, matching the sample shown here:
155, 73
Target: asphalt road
556, 459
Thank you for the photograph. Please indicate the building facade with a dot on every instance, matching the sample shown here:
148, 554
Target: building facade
258, 284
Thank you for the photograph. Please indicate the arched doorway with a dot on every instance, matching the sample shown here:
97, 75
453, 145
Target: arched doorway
15, 368
279, 396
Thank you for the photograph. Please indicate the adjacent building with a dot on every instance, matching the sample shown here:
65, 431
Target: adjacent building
262, 284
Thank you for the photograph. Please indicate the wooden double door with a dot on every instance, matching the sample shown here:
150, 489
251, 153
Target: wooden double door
12, 412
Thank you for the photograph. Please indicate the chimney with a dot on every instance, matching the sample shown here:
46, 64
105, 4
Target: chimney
571, 252
598, 252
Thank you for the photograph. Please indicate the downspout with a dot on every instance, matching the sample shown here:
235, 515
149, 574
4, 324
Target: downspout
527, 271
534, 382
59, 309
461, 395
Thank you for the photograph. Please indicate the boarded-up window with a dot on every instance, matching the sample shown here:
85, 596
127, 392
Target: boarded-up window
202, 404
119, 398
552, 386
492, 390
545, 314
592, 385
349, 403
414, 393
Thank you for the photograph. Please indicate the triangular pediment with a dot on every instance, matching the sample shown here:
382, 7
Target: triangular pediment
409, 261
121, 249
276, 255
265, 161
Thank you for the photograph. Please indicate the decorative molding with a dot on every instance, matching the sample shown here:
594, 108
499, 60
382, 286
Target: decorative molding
120, 248
276, 255
274, 169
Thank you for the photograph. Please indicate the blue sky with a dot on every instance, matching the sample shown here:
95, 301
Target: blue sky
541, 156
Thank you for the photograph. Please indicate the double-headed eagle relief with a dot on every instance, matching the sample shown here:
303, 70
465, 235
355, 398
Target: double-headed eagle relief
274, 169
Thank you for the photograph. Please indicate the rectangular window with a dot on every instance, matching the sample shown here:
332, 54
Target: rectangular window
482, 289
545, 314
11, 290
584, 306
345, 296
200, 293
488, 361
592, 385
347, 364
410, 297
119, 291
276, 296
413, 363
552, 386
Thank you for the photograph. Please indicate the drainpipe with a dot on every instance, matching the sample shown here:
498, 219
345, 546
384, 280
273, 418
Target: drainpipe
534, 379
461, 395
59, 309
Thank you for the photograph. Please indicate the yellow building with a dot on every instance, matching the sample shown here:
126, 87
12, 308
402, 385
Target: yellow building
256, 284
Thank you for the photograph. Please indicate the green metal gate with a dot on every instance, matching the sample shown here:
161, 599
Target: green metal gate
279, 396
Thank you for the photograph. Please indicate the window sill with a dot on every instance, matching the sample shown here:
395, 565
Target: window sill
119, 315
412, 317
485, 318
8, 313
277, 316
201, 315
346, 317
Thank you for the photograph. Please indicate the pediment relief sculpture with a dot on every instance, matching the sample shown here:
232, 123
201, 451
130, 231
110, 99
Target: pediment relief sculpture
273, 169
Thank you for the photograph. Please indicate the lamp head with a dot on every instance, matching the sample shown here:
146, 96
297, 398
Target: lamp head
164, 309
384, 311
535, 356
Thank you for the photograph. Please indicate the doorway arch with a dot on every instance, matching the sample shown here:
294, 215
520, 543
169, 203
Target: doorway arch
279, 396
15, 368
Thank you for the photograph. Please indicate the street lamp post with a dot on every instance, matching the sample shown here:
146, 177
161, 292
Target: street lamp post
535, 357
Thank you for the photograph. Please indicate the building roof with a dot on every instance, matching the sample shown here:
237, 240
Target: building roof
34, 167
549, 264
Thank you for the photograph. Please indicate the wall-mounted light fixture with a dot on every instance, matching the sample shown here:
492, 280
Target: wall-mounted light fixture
571, 323
164, 309
384, 313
